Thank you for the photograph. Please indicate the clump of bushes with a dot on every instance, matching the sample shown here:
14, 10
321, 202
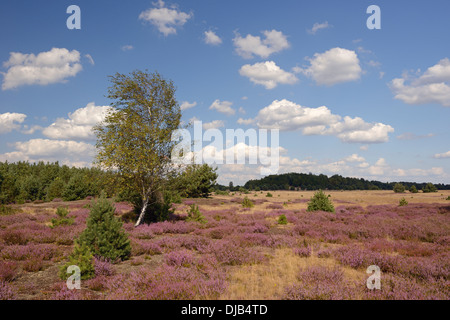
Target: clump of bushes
269, 195
402, 202
195, 215
413, 189
320, 202
399, 188
62, 218
429, 188
282, 219
247, 203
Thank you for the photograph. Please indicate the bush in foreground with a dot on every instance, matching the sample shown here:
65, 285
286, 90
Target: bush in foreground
320, 202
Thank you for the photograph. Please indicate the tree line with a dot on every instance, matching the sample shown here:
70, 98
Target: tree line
303, 181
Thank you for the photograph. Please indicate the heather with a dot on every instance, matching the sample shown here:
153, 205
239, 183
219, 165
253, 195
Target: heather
325, 254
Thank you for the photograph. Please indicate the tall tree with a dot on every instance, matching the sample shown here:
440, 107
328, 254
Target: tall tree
135, 139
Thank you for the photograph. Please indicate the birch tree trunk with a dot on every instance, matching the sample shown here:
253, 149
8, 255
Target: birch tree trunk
142, 214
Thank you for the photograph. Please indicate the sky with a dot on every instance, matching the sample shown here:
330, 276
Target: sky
347, 99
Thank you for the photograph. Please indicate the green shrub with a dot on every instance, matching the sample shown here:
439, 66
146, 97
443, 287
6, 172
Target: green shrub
448, 198
81, 257
195, 215
247, 203
320, 202
269, 195
429, 188
104, 234
413, 189
399, 188
282, 219
402, 202
62, 219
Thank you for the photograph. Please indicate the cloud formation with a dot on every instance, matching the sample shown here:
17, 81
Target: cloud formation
267, 74
11, 121
318, 26
186, 105
223, 107
165, 19
79, 124
289, 116
334, 66
274, 41
212, 38
431, 87
45, 68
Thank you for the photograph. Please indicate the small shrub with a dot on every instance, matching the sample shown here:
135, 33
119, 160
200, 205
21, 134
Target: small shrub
402, 202
62, 219
413, 189
448, 198
6, 291
269, 195
399, 188
195, 215
247, 203
320, 202
34, 264
282, 219
81, 257
303, 252
8, 270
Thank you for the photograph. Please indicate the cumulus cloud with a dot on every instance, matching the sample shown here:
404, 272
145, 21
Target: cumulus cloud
223, 107
212, 38
267, 74
274, 41
67, 152
216, 124
11, 121
444, 155
186, 105
334, 66
245, 121
289, 116
79, 124
318, 26
44, 68
165, 19
431, 87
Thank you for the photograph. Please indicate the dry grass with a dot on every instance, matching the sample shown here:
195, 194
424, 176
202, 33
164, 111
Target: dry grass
268, 281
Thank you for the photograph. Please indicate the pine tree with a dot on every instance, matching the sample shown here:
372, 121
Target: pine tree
320, 202
82, 258
103, 234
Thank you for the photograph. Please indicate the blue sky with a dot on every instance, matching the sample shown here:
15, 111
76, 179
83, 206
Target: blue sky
347, 100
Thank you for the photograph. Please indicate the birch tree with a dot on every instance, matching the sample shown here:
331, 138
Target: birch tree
134, 140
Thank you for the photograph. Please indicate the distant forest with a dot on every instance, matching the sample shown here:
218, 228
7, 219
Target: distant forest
23, 182
303, 181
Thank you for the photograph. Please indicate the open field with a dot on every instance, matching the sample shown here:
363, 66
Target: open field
243, 253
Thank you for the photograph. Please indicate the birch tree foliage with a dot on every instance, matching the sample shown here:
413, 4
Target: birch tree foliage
134, 140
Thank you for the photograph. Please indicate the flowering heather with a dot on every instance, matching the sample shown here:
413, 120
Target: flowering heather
17, 252
6, 291
139, 247
303, 252
166, 283
103, 267
8, 270
182, 258
321, 283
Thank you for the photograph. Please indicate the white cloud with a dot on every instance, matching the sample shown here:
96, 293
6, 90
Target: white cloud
127, 47
245, 121
289, 116
334, 66
79, 124
241, 110
431, 87
444, 155
212, 38
275, 41
165, 19
267, 74
90, 59
67, 152
45, 68
223, 107
354, 158
216, 124
11, 121
186, 105
318, 26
